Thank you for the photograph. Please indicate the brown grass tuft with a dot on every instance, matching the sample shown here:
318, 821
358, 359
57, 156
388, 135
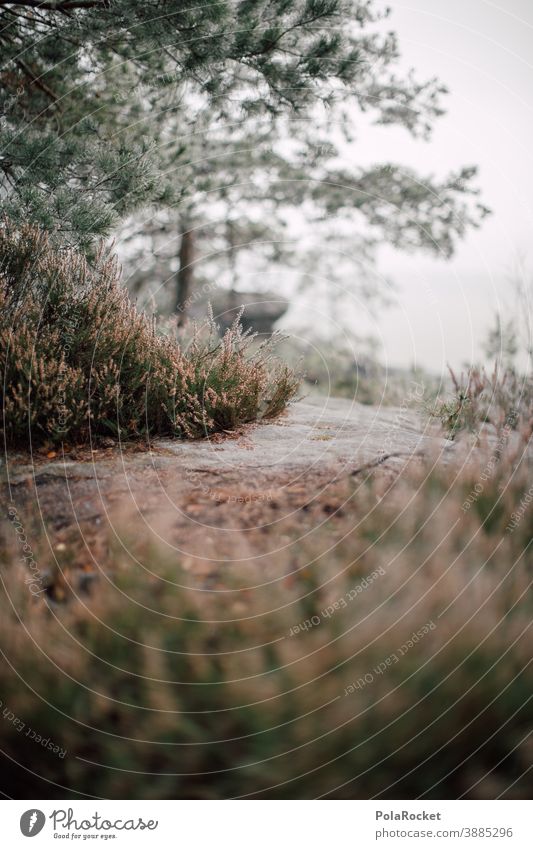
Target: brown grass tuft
387, 653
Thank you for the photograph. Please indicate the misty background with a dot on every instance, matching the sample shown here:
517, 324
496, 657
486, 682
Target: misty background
408, 309
481, 51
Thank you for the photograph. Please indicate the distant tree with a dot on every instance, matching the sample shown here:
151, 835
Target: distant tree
502, 341
511, 334
243, 180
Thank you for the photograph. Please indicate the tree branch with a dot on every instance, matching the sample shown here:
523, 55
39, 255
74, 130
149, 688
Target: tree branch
59, 6
36, 80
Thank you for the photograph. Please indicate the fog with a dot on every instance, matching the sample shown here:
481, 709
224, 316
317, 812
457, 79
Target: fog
480, 51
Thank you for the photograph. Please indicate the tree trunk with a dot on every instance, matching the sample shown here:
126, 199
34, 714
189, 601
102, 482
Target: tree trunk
184, 275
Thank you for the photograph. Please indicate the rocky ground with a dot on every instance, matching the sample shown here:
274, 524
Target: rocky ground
202, 492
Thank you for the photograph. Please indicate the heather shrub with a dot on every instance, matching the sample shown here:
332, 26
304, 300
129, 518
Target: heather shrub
502, 398
387, 653
78, 360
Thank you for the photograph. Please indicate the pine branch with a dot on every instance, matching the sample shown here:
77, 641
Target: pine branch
36, 80
51, 6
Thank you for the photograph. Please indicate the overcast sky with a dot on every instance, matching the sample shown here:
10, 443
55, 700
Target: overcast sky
481, 50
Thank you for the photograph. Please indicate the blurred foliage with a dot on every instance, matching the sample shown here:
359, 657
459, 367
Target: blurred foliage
354, 372
503, 398
385, 653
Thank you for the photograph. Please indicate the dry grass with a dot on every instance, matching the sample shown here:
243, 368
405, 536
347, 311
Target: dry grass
79, 362
502, 398
310, 684
385, 652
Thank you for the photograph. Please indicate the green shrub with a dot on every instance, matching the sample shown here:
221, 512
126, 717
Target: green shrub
78, 361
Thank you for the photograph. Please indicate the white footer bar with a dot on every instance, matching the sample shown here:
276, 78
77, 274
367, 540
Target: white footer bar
268, 824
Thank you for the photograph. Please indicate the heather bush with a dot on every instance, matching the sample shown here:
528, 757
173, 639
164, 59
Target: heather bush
78, 360
502, 398
387, 653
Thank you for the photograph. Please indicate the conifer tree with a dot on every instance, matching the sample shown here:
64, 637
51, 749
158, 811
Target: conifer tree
80, 76
242, 180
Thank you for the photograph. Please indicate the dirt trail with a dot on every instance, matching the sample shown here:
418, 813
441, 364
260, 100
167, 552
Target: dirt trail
203, 492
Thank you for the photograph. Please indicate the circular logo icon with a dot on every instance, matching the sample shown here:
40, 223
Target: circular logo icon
32, 822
